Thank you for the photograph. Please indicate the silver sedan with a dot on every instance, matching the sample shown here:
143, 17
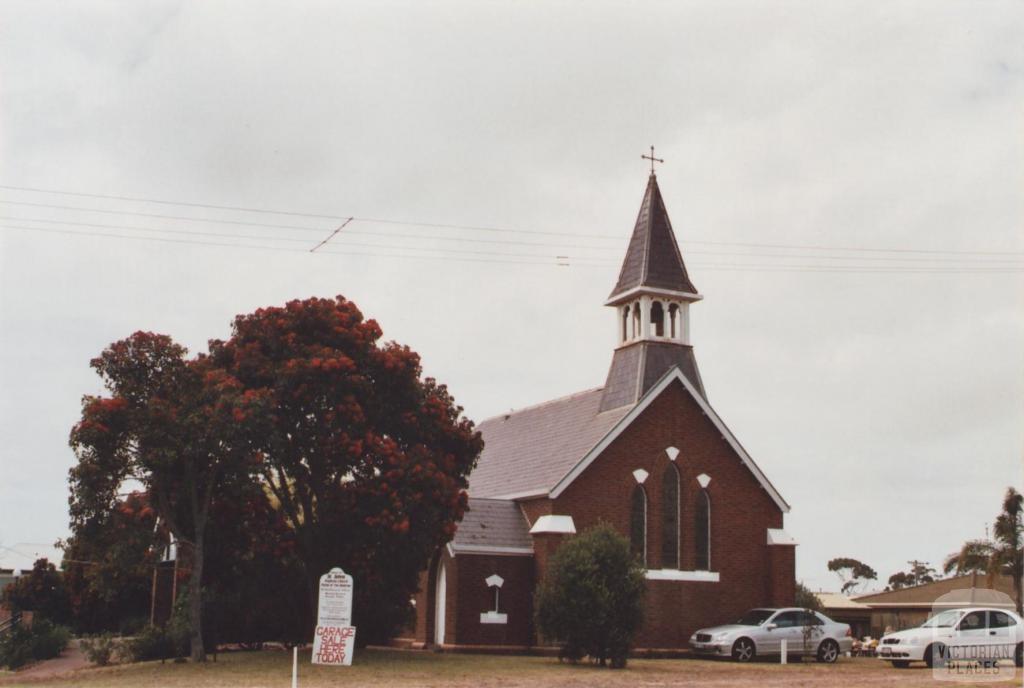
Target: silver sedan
766, 631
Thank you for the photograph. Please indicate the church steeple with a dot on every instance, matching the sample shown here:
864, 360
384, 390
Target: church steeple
653, 259
652, 302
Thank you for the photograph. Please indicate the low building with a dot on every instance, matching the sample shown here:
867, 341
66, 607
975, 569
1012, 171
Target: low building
894, 610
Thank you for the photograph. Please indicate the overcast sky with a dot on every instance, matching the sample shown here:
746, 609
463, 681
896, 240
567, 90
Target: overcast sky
881, 391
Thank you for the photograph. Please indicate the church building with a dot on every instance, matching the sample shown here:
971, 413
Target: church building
646, 453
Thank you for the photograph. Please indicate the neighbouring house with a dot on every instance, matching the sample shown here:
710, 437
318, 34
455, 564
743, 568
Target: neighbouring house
646, 453
873, 613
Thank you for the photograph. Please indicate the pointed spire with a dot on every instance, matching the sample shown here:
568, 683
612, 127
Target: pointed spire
653, 259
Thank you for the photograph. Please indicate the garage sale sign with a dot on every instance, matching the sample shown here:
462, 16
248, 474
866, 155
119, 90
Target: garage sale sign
334, 645
335, 638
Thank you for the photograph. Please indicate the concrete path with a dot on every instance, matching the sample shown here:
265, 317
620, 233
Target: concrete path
70, 660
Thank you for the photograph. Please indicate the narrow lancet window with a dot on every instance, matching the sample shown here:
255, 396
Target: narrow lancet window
702, 531
670, 518
638, 524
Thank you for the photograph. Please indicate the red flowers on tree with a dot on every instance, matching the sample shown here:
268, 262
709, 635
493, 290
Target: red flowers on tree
363, 461
366, 460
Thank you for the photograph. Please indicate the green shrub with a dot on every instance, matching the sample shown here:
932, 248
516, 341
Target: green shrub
591, 600
41, 640
153, 642
98, 649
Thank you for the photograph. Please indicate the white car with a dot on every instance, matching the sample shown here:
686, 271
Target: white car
970, 633
762, 632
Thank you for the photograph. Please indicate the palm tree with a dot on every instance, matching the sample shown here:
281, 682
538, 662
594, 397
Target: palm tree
1009, 535
974, 557
1004, 555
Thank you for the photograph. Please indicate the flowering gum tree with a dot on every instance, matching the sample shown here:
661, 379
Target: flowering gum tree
366, 461
169, 423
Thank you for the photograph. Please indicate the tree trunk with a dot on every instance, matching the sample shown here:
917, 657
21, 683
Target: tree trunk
195, 602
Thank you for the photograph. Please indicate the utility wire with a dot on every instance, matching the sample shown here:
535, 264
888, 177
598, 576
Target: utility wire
986, 261
559, 260
814, 247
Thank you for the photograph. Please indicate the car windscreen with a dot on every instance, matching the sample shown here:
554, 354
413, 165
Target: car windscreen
755, 617
946, 619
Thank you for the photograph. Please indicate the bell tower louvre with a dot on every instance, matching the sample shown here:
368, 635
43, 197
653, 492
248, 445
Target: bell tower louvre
652, 304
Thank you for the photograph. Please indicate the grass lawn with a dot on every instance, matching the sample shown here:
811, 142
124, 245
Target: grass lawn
414, 669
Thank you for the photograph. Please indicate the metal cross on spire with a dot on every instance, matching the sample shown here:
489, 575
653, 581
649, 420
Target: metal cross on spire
652, 159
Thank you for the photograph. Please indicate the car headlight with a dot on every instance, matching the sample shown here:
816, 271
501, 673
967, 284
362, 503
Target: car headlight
722, 636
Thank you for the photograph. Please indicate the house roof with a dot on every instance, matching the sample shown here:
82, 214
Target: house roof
493, 525
653, 259
956, 591
527, 451
837, 600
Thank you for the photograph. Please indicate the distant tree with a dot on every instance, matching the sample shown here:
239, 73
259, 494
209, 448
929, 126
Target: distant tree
851, 572
41, 591
592, 598
365, 460
920, 572
806, 599
169, 424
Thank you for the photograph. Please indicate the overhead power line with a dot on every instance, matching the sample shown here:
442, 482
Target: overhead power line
446, 254
437, 225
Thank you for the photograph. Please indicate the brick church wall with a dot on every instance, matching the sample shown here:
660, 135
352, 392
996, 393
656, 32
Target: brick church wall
468, 596
741, 513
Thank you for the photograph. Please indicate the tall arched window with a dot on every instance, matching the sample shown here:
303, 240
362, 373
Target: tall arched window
702, 531
638, 524
673, 319
658, 319
670, 518
636, 320
625, 323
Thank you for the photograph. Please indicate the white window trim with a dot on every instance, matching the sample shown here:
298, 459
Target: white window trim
493, 618
677, 575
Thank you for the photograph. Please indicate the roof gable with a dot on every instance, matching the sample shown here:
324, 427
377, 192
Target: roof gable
673, 375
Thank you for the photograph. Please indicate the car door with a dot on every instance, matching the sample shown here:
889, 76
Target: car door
1002, 633
787, 627
970, 637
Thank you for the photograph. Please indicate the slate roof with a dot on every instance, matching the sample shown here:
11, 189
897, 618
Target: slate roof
653, 258
638, 367
528, 451
492, 523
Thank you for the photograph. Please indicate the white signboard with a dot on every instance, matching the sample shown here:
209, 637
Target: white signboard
334, 645
335, 608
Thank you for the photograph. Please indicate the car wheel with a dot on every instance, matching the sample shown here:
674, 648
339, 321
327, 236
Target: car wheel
900, 663
935, 655
828, 651
743, 650
1018, 656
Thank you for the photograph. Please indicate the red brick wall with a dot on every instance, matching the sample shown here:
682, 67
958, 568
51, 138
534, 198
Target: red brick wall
751, 573
741, 512
468, 596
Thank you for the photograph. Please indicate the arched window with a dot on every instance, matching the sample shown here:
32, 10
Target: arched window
658, 319
636, 320
625, 323
673, 320
638, 524
670, 518
702, 531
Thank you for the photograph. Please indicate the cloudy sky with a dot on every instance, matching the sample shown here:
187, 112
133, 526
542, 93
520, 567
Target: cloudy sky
881, 388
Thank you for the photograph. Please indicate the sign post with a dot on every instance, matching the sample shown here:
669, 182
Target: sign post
335, 638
